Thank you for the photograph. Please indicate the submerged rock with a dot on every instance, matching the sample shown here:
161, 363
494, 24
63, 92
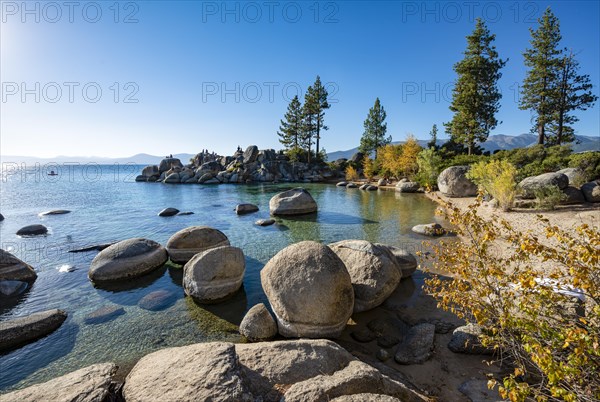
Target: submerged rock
13, 269
32, 230
104, 314
168, 212
157, 300
127, 259
453, 182
373, 272
90, 384
309, 289
12, 288
214, 274
297, 201
258, 324
186, 243
23, 330
55, 212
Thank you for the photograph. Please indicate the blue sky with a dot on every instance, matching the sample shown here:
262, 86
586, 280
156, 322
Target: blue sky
184, 76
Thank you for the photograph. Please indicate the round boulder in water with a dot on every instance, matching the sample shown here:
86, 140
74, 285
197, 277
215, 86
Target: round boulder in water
13, 269
258, 324
309, 290
32, 230
186, 243
373, 271
297, 201
127, 259
215, 274
168, 212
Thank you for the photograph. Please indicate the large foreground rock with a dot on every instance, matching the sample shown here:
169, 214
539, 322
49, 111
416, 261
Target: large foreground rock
453, 182
258, 324
297, 201
214, 274
32, 230
529, 185
23, 330
200, 372
591, 191
309, 289
13, 269
373, 271
186, 243
89, 384
127, 259
405, 260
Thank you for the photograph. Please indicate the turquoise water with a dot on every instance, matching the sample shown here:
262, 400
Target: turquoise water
107, 206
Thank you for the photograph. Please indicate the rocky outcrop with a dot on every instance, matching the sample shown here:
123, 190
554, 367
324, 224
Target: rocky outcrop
127, 259
32, 230
13, 269
200, 372
373, 272
243, 209
405, 260
168, 212
430, 229
23, 330
186, 243
529, 185
166, 165
297, 201
258, 324
309, 289
89, 384
591, 191
214, 274
453, 182
466, 339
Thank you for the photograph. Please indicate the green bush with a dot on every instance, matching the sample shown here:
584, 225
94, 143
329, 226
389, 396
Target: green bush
496, 178
548, 197
535, 160
430, 165
589, 162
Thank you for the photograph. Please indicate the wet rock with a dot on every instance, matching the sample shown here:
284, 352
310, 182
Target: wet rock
185, 213
309, 289
32, 230
1, 217
258, 325
417, 346
95, 247
157, 300
127, 259
214, 274
89, 384
465, 339
13, 269
351, 185
186, 243
23, 330
242, 209
12, 288
431, 229
342, 184
104, 314
265, 222
168, 212
453, 182
297, 201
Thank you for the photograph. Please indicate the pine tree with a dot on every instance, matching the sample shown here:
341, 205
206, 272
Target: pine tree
433, 135
315, 101
476, 97
309, 128
375, 129
290, 131
574, 92
539, 93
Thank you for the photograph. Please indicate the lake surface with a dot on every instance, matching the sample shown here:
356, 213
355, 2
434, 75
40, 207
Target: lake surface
108, 205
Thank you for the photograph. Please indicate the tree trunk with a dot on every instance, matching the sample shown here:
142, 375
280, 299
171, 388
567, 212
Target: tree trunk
541, 134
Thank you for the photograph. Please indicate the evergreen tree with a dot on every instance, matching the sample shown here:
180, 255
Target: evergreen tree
309, 128
574, 92
375, 130
315, 101
539, 92
290, 131
433, 134
476, 97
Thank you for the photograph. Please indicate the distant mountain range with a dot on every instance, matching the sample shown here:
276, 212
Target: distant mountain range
139, 159
494, 142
